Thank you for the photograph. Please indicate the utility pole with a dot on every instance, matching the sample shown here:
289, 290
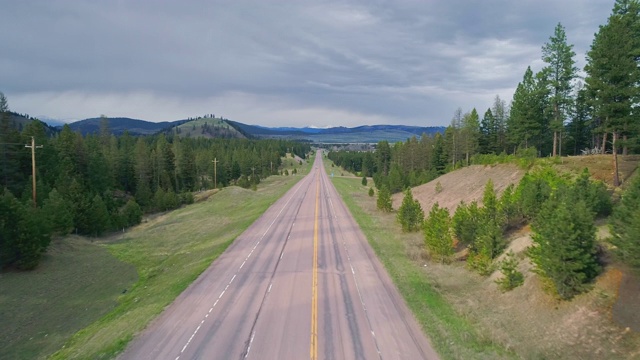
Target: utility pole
33, 166
215, 173
253, 177
272, 167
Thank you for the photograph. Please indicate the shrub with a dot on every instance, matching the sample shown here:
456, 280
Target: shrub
480, 263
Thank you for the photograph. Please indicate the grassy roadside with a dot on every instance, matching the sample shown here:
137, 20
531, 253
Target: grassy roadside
169, 252
76, 283
452, 335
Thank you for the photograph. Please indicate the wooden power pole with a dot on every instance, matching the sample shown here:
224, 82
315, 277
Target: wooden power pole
215, 173
33, 166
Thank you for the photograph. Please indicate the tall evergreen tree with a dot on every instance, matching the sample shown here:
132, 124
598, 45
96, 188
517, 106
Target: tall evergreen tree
613, 77
526, 125
470, 134
561, 72
11, 148
579, 129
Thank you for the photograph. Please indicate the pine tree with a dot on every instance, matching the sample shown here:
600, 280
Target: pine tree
98, 217
410, 214
613, 75
532, 192
561, 72
625, 225
579, 129
593, 193
24, 233
131, 213
364, 181
384, 200
466, 222
57, 211
33, 238
10, 148
11, 210
437, 234
511, 277
564, 250
470, 134
525, 125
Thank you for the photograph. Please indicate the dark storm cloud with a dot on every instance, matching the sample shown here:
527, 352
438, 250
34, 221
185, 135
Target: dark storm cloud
278, 62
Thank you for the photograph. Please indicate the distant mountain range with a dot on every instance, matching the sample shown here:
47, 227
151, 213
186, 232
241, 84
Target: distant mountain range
120, 124
222, 128
341, 134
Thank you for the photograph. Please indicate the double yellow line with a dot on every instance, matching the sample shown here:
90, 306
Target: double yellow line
313, 352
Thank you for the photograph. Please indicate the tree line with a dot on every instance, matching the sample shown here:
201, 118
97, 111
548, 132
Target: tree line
101, 182
553, 112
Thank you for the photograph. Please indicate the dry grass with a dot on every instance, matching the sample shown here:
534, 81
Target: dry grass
466, 184
600, 166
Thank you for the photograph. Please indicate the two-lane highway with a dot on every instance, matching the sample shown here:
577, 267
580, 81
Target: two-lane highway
300, 283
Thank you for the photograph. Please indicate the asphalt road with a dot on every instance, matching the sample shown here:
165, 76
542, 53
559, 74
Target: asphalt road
300, 283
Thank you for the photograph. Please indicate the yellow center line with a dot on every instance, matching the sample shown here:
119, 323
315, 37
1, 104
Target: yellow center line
314, 286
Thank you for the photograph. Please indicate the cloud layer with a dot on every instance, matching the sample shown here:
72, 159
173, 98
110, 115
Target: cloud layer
278, 63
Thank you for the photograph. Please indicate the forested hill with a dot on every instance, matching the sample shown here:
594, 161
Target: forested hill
20, 121
118, 126
341, 134
208, 127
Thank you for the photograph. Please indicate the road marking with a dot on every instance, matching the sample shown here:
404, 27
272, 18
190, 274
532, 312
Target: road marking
355, 279
237, 271
253, 334
313, 352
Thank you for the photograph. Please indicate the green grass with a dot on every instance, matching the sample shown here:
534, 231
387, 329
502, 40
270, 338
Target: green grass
452, 335
76, 283
169, 253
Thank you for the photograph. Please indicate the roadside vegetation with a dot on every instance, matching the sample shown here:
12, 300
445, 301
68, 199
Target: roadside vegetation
90, 296
507, 305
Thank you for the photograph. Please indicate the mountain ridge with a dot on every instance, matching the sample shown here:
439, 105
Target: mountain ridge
337, 134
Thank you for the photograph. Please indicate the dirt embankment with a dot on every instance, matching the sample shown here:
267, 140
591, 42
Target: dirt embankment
466, 184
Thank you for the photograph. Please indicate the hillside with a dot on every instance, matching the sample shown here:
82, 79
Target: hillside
120, 124
208, 128
19, 121
466, 184
341, 134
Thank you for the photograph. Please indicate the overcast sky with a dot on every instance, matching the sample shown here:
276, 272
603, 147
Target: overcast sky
278, 63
